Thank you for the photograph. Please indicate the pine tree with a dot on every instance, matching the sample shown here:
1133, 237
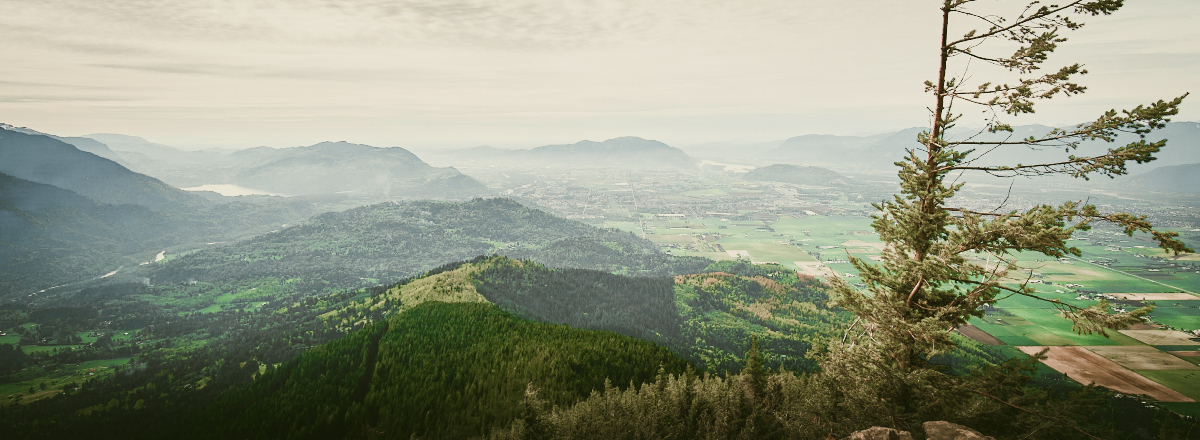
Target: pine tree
927, 285
754, 371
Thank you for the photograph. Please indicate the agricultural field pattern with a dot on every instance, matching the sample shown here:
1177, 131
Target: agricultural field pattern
817, 230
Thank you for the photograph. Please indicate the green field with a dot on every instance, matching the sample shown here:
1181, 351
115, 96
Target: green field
1184, 316
55, 380
788, 239
1186, 382
31, 349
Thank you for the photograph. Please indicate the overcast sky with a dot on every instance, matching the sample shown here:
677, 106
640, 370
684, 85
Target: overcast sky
523, 73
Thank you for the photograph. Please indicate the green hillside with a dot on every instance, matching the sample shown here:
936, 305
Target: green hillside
50, 236
389, 241
430, 357
439, 371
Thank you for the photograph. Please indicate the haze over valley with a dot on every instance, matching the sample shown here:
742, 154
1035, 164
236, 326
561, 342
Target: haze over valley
569, 220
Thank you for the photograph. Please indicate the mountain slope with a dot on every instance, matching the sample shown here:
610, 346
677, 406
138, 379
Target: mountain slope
388, 241
1176, 178
438, 371
331, 167
430, 355
43, 159
869, 152
707, 318
177, 167
83, 144
49, 236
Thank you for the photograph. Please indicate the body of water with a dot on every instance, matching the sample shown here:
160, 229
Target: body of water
230, 190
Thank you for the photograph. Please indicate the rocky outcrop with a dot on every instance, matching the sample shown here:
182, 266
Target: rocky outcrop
933, 431
951, 431
880, 433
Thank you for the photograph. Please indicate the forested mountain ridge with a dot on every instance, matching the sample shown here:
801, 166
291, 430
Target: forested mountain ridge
428, 356
438, 371
398, 239
708, 318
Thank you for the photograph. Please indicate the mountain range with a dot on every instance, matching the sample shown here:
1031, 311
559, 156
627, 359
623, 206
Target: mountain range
323, 168
43, 159
82, 143
1174, 178
70, 215
878, 152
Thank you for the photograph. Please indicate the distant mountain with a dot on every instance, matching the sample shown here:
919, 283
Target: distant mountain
1175, 178
331, 167
801, 175
43, 159
175, 166
83, 144
863, 152
623, 152
879, 152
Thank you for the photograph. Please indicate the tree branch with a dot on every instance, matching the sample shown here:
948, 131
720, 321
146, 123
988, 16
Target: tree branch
1072, 425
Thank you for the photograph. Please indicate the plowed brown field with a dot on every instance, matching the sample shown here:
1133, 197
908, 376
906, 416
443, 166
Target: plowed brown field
1087, 367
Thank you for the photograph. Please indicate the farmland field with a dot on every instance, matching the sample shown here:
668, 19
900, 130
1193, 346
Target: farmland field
821, 245
1087, 367
1141, 357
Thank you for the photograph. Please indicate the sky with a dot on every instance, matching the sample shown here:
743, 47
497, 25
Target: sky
523, 73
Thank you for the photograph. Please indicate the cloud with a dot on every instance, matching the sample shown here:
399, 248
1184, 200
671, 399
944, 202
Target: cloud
481, 23
444, 66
